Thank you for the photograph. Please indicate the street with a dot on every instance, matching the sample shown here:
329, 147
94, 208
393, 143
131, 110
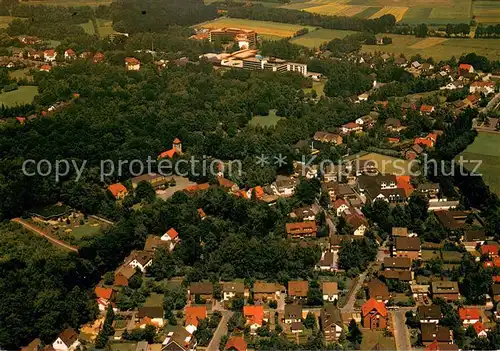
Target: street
220, 331
401, 334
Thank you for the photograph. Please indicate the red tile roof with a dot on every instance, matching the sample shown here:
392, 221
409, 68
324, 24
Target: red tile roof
489, 250
70, 52
104, 293
254, 314
201, 213
195, 313
479, 327
259, 192
169, 153
393, 140
373, 304
132, 60
483, 84
176, 141
465, 66
469, 313
116, 189
237, 343
424, 141
339, 203
50, 52
426, 108
45, 68
496, 278
350, 125
172, 233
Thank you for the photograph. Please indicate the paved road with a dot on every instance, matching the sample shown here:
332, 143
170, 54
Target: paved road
38, 231
220, 331
401, 333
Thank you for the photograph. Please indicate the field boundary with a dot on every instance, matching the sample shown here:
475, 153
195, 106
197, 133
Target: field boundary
40, 232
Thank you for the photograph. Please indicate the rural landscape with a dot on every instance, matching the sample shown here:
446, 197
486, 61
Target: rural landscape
211, 175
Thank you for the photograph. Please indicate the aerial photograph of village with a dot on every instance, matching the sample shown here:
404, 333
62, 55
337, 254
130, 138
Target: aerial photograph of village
183, 175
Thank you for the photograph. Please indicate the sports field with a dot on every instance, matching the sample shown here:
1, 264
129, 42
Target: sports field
263, 28
486, 148
23, 95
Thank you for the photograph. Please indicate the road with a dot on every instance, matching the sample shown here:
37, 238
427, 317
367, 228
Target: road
493, 102
220, 331
401, 334
38, 231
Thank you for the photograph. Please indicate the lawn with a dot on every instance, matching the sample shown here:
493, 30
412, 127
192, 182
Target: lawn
275, 29
319, 87
5, 20
88, 27
105, 27
265, 121
452, 256
428, 255
154, 300
373, 337
23, 95
20, 74
315, 38
485, 148
385, 164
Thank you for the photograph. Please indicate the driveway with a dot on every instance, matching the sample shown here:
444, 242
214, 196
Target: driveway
220, 331
401, 333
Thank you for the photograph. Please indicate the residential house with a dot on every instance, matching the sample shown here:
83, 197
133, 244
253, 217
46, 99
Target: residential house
232, 289
393, 124
327, 261
254, 316
397, 263
98, 57
227, 184
465, 68
340, 206
123, 275
401, 62
193, 316
298, 289
481, 330
404, 276
104, 296
351, 127
452, 220
330, 291
453, 85
374, 314
485, 88
263, 291
473, 238
427, 109
45, 68
236, 343
469, 315
472, 101
293, 313
132, 64
139, 259
151, 315
30, 40
489, 250
327, 137
356, 220
380, 187
400, 231
447, 290
202, 291
154, 242
69, 54
335, 173
331, 322
431, 332
284, 186
66, 341
303, 214
34, 345
407, 247
171, 238
49, 55
431, 190
301, 230
179, 340
378, 290
118, 190
297, 327
429, 314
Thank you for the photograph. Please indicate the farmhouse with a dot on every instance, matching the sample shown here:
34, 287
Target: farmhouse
139, 259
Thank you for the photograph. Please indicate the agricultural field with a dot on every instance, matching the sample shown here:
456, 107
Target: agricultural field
20, 74
23, 95
5, 20
485, 148
263, 28
315, 38
75, 3
487, 12
105, 27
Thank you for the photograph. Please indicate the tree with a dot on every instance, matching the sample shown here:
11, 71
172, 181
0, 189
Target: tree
145, 191
310, 321
109, 278
421, 31
135, 282
307, 190
354, 336
237, 321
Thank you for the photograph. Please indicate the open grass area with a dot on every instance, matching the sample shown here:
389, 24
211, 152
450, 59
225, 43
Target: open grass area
105, 27
88, 27
428, 255
265, 121
275, 29
385, 164
373, 337
5, 20
486, 148
20, 74
23, 95
75, 3
319, 87
154, 300
315, 38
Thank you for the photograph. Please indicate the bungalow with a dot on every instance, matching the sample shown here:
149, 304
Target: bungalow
298, 289
330, 291
232, 289
118, 190
236, 343
446, 290
351, 127
431, 332
180, 340
193, 315
49, 55
139, 259
171, 237
301, 230
151, 315
407, 247
365, 121
429, 314
263, 291
485, 88
132, 64
293, 313
331, 322
66, 341
69, 54
45, 68
427, 109
374, 314
200, 290
469, 316
378, 290
254, 316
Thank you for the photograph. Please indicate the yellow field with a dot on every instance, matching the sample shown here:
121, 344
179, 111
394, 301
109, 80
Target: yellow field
261, 27
74, 3
428, 43
397, 11
337, 9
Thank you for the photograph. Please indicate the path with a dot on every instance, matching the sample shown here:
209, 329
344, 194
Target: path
401, 334
220, 331
38, 231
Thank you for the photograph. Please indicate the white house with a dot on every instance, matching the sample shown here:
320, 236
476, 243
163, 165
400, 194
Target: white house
330, 291
69, 54
66, 341
340, 206
139, 259
172, 237
49, 55
285, 186
482, 87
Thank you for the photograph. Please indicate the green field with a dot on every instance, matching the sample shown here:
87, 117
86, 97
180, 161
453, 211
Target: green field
20, 74
265, 121
21, 96
486, 11
385, 164
319, 87
317, 37
5, 20
486, 148
105, 27
75, 3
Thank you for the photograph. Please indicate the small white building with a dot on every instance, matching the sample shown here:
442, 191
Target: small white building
66, 341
